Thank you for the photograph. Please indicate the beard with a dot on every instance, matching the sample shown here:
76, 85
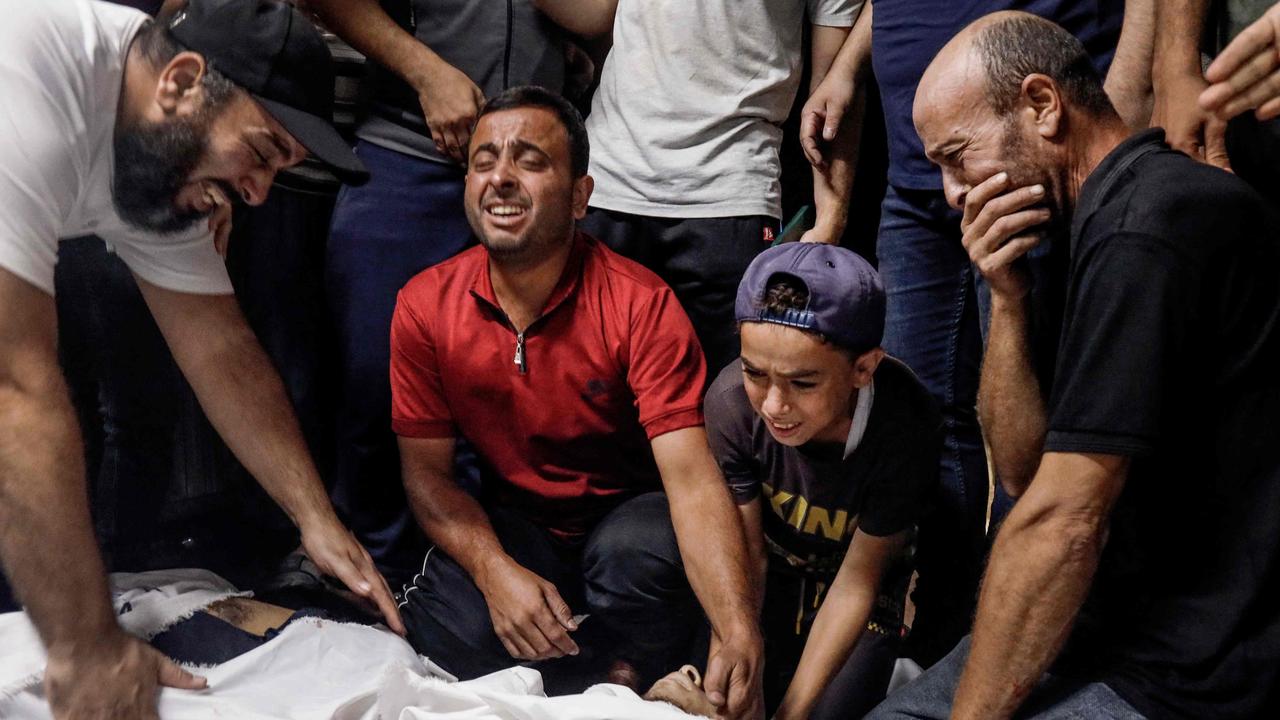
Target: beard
1025, 169
153, 161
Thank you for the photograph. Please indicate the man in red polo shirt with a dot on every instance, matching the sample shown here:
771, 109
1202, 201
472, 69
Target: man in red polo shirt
578, 379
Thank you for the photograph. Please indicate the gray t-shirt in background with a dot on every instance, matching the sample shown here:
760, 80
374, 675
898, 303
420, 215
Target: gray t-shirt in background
687, 121
497, 43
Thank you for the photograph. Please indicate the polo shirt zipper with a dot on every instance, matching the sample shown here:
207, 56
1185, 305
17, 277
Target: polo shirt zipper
519, 359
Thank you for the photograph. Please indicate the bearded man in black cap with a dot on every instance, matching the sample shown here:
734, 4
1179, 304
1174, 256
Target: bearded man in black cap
143, 134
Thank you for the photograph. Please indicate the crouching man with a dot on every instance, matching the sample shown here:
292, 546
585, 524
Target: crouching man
577, 377
1138, 575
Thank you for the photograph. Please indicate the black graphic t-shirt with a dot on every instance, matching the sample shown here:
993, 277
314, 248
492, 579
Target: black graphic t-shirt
813, 497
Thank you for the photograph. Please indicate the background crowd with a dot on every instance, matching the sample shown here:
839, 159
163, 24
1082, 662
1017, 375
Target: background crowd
711, 125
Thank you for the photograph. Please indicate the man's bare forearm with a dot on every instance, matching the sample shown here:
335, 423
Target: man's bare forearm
708, 530
1177, 45
368, 28
1010, 403
47, 545
1128, 81
1041, 568
46, 535
852, 63
833, 183
453, 520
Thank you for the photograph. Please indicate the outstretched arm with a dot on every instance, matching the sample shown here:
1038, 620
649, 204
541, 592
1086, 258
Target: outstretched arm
94, 668
710, 535
1041, 568
243, 397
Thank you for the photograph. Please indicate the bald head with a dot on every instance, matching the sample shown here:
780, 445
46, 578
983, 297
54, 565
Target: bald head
997, 52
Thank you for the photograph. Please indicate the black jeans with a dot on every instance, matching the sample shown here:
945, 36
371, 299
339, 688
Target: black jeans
627, 576
702, 259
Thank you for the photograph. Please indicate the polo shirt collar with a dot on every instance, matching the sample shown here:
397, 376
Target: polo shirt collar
570, 278
1098, 185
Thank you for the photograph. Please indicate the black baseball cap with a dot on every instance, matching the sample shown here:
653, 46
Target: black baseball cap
276, 54
846, 298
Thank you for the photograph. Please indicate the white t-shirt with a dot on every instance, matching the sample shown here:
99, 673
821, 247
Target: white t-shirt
687, 120
61, 68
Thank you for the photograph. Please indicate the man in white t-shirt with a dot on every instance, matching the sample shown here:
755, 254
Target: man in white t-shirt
686, 129
142, 134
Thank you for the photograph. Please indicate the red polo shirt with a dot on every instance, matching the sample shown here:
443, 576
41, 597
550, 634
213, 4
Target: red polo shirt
611, 363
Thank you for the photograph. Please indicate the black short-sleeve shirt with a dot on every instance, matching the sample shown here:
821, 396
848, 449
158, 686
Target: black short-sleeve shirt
1169, 354
813, 497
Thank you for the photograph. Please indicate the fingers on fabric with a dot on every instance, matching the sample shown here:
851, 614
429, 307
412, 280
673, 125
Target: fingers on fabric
387, 604
169, 674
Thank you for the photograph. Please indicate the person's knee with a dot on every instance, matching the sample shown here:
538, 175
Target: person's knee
443, 606
632, 561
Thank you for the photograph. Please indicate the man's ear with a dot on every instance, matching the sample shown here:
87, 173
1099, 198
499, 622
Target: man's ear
582, 188
1042, 101
864, 366
178, 88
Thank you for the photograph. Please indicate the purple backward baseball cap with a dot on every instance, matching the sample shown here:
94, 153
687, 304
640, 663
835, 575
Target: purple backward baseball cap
846, 298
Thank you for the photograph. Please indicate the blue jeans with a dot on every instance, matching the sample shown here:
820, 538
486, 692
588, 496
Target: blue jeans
1054, 698
407, 218
932, 325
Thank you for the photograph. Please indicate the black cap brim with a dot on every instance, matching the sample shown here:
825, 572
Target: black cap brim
320, 139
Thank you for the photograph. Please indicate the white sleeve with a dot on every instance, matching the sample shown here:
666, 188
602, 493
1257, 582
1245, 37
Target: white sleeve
39, 176
834, 13
183, 262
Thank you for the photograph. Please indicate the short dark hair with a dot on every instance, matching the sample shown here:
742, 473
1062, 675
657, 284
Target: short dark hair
1015, 47
568, 115
158, 46
788, 292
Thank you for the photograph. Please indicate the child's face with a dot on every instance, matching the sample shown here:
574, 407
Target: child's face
803, 388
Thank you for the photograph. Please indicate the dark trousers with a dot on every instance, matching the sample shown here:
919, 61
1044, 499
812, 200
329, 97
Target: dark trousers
929, 696
407, 218
126, 389
932, 325
702, 259
627, 576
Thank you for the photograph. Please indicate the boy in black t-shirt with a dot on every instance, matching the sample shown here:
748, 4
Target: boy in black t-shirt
831, 451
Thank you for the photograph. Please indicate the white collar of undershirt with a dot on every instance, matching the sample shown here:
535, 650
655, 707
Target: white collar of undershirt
861, 414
